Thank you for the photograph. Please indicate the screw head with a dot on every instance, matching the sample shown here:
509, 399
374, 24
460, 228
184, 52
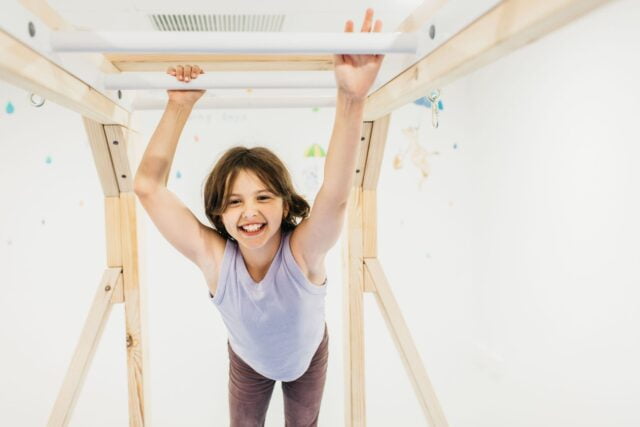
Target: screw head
32, 29
107, 288
432, 32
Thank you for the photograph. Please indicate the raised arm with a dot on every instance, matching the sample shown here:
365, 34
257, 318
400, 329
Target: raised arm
172, 218
157, 159
355, 75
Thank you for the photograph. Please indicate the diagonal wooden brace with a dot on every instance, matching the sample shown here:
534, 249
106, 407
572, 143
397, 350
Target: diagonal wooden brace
108, 292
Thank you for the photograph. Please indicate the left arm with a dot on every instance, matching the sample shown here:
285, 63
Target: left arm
355, 74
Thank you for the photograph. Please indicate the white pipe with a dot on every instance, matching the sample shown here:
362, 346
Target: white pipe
243, 102
223, 80
234, 42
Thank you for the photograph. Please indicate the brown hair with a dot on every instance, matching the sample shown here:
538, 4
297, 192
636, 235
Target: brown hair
268, 168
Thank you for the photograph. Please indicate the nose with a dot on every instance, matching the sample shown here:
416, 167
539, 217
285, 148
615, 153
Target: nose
250, 210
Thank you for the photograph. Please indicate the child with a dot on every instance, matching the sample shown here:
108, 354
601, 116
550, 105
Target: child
265, 271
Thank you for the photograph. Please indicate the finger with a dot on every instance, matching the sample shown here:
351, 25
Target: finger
171, 71
368, 17
378, 26
179, 72
348, 26
187, 73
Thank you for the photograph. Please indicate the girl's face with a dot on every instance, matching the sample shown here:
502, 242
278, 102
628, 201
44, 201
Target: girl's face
252, 204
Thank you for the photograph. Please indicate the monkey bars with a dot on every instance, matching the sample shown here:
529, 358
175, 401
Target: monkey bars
234, 42
508, 26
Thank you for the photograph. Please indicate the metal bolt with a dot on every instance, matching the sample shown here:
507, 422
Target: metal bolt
36, 100
32, 29
107, 288
119, 94
362, 138
357, 170
115, 142
432, 32
123, 176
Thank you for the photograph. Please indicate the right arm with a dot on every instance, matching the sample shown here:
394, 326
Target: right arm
172, 218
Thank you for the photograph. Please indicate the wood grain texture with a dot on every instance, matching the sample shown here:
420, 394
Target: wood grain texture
25, 68
217, 62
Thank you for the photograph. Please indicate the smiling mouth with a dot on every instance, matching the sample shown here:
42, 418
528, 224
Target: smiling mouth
253, 229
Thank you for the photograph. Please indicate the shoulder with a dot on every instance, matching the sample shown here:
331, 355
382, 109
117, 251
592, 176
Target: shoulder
211, 263
312, 266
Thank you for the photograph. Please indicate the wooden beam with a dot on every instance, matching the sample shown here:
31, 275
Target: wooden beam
365, 142
118, 145
102, 157
157, 62
404, 344
113, 231
55, 22
135, 315
27, 69
353, 270
506, 27
375, 153
86, 348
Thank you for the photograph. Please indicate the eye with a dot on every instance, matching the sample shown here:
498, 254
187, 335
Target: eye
264, 197
233, 202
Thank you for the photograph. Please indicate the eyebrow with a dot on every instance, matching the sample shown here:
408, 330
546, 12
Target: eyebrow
259, 191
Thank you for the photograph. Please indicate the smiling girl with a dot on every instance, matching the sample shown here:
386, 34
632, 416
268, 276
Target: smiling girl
263, 259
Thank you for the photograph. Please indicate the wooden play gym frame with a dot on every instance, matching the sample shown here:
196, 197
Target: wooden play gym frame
506, 27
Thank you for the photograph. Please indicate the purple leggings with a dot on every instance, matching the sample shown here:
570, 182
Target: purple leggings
250, 392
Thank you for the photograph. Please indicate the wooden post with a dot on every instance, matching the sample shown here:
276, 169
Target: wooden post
109, 148
364, 274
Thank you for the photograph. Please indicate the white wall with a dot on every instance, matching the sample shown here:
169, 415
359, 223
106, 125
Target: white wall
514, 262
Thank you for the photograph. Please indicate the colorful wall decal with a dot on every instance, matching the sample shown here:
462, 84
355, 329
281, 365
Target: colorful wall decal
418, 154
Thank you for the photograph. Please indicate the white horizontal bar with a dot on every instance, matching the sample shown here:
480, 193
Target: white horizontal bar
234, 42
243, 102
223, 80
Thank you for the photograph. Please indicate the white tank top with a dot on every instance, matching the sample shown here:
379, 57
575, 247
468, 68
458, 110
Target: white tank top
275, 326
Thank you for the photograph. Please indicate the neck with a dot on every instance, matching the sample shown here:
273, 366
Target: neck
259, 259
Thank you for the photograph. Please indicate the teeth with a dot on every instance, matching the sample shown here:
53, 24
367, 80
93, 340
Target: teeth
252, 227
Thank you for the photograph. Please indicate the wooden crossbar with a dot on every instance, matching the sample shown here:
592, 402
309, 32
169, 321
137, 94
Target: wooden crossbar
503, 29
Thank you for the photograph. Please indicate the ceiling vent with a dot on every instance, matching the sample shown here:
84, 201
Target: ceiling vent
226, 23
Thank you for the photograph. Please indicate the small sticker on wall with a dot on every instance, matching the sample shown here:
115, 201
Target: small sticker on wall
9, 108
48, 160
196, 138
178, 175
